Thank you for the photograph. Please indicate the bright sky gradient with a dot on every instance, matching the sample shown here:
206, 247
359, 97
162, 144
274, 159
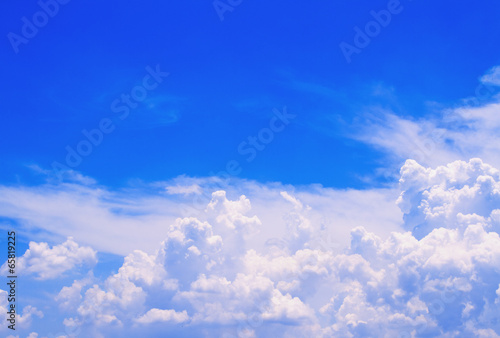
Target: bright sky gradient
165, 163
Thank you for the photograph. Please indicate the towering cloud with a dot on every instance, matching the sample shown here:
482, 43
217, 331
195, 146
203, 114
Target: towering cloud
438, 276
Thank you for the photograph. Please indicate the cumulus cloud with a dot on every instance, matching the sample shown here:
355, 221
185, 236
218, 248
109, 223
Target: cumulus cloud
439, 277
451, 196
118, 299
219, 300
232, 213
157, 315
93, 214
48, 263
70, 296
199, 278
24, 317
444, 281
421, 259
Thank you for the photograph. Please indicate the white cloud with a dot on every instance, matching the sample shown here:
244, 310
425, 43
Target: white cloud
459, 133
383, 284
451, 196
403, 138
197, 265
139, 266
70, 296
24, 320
285, 308
311, 261
49, 263
92, 214
223, 247
184, 190
492, 76
232, 213
157, 315
264, 262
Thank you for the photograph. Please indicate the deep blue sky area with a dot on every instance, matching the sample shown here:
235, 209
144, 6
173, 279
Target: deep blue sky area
225, 78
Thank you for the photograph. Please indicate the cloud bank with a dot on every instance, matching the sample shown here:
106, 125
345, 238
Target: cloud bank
206, 257
437, 276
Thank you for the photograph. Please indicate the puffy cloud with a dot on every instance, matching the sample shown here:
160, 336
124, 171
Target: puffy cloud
287, 309
121, 298
141, 267
419, 287
4, 304
23, 318
218, 300
93, 214
48, 263
70, 296
299, 227
194, 267
451, 196
157, 315
278, 266
295, 272
190, 248
438, 275
232, 213
26, 317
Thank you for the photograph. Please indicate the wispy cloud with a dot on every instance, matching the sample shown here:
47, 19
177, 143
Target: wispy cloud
461, 132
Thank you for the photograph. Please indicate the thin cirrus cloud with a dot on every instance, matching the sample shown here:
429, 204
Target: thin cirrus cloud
463, 132
80, 209
127, 239
492, 76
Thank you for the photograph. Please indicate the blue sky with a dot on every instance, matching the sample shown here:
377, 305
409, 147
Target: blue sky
225, 79
120, 120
